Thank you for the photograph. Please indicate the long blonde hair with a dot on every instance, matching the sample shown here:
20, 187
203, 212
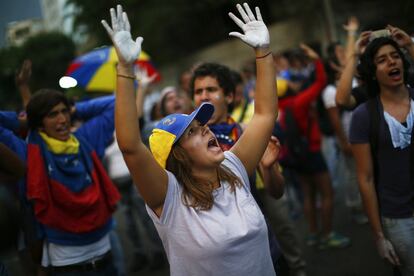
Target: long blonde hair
197, 193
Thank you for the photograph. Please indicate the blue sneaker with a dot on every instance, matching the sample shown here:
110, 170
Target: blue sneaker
312, 240
334, 240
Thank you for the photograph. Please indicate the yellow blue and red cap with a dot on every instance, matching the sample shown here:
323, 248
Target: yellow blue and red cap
170, 129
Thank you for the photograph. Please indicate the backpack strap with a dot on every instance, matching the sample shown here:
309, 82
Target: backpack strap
374, 126
374, 116
411, 91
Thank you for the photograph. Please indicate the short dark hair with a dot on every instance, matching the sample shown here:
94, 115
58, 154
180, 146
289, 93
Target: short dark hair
40, 105
367, 68
237, 78
331, 52
220, 72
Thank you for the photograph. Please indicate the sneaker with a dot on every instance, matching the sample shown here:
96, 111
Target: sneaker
334, 240
312, 240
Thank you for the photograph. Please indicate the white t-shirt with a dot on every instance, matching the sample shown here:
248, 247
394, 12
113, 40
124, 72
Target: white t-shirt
229, 239
61, 255
116, 164
328, 97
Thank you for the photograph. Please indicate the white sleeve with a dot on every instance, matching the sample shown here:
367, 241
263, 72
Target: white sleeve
172, 198
233, 163
328, 96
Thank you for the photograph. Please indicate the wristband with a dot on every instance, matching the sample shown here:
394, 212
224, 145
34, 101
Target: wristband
353, 33
126, 76
264, 55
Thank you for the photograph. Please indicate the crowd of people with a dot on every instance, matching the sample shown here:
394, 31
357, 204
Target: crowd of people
205, 169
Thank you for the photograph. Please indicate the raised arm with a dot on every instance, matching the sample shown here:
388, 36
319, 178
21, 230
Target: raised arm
150, 178
343, 94
252, 144
22, 81
403, 39
351, 29
98, 122
269, 168
306, 97
144, 82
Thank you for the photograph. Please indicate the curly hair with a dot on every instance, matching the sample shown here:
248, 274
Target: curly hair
220, 72
367, 68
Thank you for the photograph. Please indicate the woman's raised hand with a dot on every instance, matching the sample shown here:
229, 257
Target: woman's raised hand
309, 52
271, 153
362, 42
127, 49
255, 31
401, 37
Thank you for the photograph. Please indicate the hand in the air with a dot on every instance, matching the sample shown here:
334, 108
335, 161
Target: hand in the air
362, 42
255, 31
127, 49
401, 37
271, 153
24, 73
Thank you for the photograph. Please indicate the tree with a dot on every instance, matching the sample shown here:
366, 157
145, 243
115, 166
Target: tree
9, 62
50, 54
171, 29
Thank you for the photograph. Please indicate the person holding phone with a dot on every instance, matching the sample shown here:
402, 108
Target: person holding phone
381, 138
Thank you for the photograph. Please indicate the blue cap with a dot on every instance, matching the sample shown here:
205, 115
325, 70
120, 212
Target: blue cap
170, 129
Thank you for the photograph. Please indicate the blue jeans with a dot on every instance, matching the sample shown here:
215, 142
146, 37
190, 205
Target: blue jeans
401, 234
3, 270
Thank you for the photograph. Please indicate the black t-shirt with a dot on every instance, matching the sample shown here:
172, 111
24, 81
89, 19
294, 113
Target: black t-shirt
394, 189
360, 94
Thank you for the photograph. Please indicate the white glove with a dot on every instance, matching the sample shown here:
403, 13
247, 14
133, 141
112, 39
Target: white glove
386, 250
255, 31
120, 33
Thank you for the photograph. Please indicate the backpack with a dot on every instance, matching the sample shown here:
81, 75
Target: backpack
297, 144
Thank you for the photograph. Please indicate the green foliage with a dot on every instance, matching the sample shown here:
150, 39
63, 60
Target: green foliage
51, 54
171, 29
174, 28
9, 62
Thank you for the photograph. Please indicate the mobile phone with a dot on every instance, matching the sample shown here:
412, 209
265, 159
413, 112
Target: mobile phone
379, 33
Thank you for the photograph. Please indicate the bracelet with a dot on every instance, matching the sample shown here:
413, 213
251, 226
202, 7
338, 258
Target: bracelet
126, 76
264, 55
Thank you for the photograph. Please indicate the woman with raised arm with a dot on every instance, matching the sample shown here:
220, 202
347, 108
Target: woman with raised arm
199, 197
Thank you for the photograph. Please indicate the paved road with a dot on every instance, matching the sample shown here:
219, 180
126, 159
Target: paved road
359, 259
